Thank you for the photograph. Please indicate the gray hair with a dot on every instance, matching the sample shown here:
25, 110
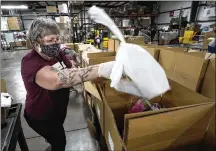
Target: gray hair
41, 27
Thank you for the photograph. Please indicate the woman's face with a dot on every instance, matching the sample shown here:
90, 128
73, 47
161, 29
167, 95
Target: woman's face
46, 41
50, 39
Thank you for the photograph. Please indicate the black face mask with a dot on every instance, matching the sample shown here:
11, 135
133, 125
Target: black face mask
51, 50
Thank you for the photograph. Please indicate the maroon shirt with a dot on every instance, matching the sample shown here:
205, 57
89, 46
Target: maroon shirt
42, 104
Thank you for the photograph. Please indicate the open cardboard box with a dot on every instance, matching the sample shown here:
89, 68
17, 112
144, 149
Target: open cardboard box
187, 69
181, 125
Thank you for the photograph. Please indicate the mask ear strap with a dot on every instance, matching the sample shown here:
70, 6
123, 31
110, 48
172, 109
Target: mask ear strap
39, 48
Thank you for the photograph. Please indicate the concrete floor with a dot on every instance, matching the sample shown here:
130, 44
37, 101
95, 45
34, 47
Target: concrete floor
78, 137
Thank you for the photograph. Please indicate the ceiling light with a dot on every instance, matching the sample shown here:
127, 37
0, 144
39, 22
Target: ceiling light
14, 7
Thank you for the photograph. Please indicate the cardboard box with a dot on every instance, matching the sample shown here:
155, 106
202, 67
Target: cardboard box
208, 85
117, 43
13, 23
139, 40
73, 46
92, 89
208, 90
94, 61
153, 51
183, 123
111, 45
99, 107
101, 54
187, 69
51, 9
3, 86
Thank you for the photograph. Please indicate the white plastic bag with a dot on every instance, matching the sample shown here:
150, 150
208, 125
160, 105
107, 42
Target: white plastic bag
6, 100
145, 72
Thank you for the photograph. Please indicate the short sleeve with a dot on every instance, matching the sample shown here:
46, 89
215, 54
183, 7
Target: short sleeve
29, 69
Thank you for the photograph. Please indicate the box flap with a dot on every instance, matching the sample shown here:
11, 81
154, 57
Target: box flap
113, 138
91, 88
100, 54
208, 84
172, 125
94, 61
185, 68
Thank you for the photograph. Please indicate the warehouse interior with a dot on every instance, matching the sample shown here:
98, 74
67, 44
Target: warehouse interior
170, 40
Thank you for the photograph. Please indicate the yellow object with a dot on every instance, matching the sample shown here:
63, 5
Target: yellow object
187, 39
3, 86
105, 42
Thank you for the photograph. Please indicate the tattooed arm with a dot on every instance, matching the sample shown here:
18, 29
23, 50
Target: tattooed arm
52, 79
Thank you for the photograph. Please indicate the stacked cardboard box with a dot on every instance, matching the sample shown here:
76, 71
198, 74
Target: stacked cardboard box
51, 9
139, 40
13, 23
113, 44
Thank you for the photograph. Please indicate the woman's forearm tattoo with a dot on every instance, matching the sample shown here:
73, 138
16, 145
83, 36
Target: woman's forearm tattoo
71, 77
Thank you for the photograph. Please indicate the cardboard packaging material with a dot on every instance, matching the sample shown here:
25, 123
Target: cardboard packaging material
73, 46
99, 107
208, 90
139, 40
13, 23
3, 86
113, 44
208, 85
182, 124
94, 61
101, 54
117, 43
93, 58
185, 68
51, 9
153, 51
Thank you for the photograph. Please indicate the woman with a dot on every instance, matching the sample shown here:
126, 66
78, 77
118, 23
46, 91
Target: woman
47, 87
